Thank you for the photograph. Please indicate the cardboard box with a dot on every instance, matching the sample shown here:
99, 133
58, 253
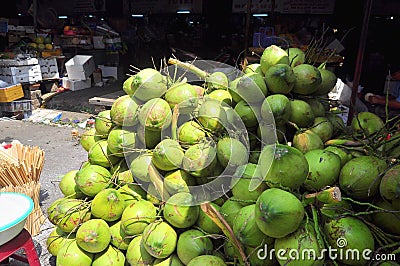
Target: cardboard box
75, 85
80, 67
11, 93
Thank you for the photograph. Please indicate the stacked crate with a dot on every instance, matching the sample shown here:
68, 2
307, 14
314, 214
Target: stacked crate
15, 71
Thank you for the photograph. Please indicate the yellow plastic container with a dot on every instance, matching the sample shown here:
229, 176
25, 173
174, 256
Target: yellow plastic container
11, 93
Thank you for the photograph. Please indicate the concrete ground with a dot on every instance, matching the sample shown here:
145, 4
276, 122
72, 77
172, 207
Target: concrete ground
62, 154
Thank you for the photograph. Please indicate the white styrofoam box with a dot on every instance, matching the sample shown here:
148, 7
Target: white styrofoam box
50, 75
19, 62
20, 74
22, 78
80, 67
49, 68
21, 70
51, 61
75, 84
109, 71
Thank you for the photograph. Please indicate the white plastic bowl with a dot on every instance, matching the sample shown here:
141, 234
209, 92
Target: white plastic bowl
14, 209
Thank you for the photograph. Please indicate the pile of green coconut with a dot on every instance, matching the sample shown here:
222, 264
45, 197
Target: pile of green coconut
220, 166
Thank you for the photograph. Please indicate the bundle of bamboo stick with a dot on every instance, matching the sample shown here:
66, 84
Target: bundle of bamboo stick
20, 164
20, 169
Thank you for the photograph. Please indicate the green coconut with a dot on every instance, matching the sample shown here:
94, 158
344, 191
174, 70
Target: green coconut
92, 179
148, 138
93, 236
68, 185
280, 78
121, 141
68, 214
367, 123
108, 205
207, 260
145, 85
296, 56
337, 123
159, 239
245, 227
389, 187
184, 95
200, 160
57, 239
103, 123
123, 111
111, 256
280, 172
273, 55
229, 210
328, 82
221, 95
172, 260
118, 237
251, 88
167, 155
155, 114
154, 196
179, 210
360, 177
306, 141
388, 221
280, 107
137, 216
306, 244
140, 167
343, 154
308, 79
136, 254
190, 133
301, 114
317, 106
88, 138
253, 68
350, 236
211, 115
131, 193
241, 186
72, 254
205, 222
249, 114
193, 243
323, 128
231, 152
178, 181
278, 212
217, 81
324, 169
100, 154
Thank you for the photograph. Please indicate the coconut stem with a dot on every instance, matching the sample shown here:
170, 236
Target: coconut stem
316, 227
219, 220
192, 68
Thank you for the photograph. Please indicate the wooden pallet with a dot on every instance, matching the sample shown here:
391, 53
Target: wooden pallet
106, 100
